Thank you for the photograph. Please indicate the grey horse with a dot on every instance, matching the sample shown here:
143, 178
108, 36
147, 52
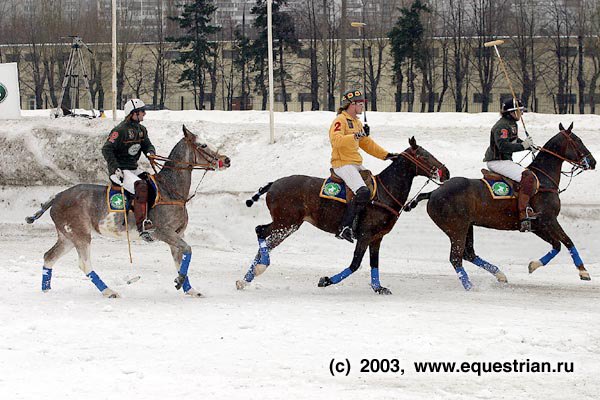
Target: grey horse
83, 209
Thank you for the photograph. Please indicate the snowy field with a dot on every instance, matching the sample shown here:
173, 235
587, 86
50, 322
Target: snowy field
277, 338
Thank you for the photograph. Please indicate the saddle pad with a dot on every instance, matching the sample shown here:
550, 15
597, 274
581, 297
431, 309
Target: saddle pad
114, 200
500, 189
333, 190
338, 191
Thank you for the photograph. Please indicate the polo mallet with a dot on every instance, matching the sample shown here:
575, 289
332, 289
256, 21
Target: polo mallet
360, 26
497, 43
128, 279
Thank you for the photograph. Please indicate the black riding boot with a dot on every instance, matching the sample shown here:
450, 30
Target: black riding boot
356, 205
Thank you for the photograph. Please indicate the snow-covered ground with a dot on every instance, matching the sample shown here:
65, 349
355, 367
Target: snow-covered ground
277, 338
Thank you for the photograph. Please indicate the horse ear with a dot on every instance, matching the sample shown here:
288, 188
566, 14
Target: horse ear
570, 127
186, 132
413, 142
561, 127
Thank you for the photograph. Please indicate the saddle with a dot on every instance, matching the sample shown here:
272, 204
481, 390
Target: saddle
501, 187
334, 187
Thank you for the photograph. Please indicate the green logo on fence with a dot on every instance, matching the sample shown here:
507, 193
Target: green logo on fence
116, 202
501, 189
3, 92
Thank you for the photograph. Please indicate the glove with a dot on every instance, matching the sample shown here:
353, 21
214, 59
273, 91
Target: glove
367, 129
360, 134
391, 155
527, 142
119, 174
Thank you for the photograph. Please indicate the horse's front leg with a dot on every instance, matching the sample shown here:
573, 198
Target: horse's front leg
359, 252
584, 275
182, 255
374, 258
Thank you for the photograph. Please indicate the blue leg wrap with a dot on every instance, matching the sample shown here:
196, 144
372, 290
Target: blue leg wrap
341, 276
375, 284
185, 263
46, 278
249, 277
464, 278
97, 281
491, 268
575, 256
549, 256
186, 285
263, 249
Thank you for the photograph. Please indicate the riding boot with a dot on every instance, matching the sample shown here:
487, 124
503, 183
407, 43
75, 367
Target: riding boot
354, 208
140, 210
526, 212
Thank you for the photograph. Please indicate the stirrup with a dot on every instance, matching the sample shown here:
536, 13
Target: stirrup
345, 233
530, 213
147, 226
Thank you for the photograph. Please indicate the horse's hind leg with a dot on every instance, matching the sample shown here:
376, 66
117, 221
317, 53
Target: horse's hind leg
83, 251
470, 256
458, 237
60, 248
269, 236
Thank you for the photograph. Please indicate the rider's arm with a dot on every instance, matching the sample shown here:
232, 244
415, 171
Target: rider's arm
108, 150
501, 137
147, 146
369, 145
338, 136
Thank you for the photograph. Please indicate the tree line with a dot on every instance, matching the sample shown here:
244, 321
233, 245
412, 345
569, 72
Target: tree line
432, 52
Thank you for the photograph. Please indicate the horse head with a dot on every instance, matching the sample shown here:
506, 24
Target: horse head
204, 153
570, 148
426, 164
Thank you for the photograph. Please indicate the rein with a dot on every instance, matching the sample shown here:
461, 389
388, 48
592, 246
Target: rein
575, 165
198, 150
418, 164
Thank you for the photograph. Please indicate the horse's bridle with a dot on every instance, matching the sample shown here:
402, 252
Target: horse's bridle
583, 162
213, 161
411, 155
582, 165
433, 172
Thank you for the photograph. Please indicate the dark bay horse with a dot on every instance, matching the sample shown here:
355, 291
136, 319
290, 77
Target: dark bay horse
462, 203
82, 209
295, 199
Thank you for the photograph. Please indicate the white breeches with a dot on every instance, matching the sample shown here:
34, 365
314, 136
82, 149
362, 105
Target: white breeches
351, 176
507, 168
130, 177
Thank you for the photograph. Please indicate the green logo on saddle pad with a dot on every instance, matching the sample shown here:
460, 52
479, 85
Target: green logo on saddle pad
116, 202
501, 189
332, 189
3, 92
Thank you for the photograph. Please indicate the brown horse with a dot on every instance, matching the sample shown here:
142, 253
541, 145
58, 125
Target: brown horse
462, 203
82, 209
295, 199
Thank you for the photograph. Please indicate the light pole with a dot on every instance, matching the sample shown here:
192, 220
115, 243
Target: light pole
360, 26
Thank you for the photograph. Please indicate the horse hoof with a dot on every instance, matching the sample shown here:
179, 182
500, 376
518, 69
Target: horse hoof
584, 276
241, 284
383, 290
324, 282
110, 294
534, 265
193, 293
501, 277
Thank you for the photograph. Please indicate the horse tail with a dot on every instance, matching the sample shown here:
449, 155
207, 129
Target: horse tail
259, 193
420, 197
45, 206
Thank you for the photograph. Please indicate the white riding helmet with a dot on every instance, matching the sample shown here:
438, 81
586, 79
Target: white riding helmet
133, 105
